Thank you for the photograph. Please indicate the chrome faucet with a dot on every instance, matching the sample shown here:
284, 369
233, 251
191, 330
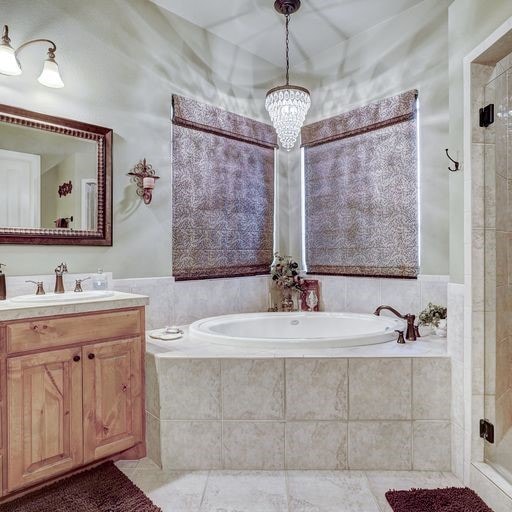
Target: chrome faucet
412, 332
59, 284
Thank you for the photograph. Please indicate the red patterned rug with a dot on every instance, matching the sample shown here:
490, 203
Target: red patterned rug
452, 499
101, 489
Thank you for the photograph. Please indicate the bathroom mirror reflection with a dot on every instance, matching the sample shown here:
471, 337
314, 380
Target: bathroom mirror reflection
55, 177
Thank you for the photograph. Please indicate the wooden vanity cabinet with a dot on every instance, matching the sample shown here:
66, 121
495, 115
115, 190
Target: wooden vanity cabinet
69, 399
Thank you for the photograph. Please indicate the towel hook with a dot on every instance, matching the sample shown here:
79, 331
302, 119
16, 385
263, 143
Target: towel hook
457, 164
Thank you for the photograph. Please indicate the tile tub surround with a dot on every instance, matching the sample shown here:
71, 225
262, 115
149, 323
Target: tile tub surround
279, 413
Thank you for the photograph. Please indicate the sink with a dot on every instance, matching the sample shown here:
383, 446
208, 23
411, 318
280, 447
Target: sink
63, 297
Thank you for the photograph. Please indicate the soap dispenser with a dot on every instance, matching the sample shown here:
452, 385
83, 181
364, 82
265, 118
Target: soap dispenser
3, 289
100, 281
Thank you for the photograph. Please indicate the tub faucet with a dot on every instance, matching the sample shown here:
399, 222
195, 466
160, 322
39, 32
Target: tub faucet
59, 284
412, 331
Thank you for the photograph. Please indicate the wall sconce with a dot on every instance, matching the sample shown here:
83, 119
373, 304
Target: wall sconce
10, 65
144, 177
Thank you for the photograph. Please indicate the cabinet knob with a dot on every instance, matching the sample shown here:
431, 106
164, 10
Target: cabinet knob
91, 356
76, 359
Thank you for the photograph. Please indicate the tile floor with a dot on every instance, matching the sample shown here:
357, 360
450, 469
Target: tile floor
275, 491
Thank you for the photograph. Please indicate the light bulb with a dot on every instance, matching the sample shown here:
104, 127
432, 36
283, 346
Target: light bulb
50, 76
8, 62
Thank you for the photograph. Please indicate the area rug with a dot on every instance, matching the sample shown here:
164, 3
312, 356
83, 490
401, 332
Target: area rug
451, 499
101, 489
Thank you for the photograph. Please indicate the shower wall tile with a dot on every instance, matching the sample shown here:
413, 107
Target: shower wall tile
431, 446
380, 389
253, 389
434, 292
253, 445
188, 445
363, 294
316, 389
316, 445
190, 389
390, 443
431, 388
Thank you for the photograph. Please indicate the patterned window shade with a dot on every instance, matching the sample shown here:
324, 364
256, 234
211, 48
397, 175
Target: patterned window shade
223, 192
361, 191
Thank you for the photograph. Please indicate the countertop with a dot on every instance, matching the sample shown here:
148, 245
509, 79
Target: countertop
187, 347
17, 310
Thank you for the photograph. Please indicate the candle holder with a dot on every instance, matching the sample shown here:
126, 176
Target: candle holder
143, 175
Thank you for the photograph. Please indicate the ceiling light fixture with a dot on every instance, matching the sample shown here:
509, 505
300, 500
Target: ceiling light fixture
287, 104
10, 65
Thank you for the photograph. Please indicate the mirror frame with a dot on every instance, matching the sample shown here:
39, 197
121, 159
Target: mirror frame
103, 137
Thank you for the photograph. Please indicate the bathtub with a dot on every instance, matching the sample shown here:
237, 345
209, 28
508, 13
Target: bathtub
296, 330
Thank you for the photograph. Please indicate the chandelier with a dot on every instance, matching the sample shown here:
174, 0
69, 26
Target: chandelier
287, 104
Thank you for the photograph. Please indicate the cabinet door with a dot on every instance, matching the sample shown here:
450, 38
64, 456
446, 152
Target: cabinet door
112, 397
44, 410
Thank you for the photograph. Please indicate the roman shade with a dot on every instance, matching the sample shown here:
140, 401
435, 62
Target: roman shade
223, 192
361, 191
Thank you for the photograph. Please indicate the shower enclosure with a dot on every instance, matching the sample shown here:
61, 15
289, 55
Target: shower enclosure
497, 149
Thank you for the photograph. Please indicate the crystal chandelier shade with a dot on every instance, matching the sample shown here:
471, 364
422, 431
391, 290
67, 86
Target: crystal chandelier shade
287, 105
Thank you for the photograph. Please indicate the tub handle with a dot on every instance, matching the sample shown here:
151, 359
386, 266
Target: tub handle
400, 337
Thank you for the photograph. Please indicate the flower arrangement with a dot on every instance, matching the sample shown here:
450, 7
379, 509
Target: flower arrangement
285, 272
432, 315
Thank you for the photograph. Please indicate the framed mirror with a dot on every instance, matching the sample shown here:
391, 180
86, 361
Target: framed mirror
55, 180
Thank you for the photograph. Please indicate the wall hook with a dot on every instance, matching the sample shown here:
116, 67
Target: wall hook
457, 164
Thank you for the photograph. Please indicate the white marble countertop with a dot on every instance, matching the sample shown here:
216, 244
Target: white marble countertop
186, 347
19, 310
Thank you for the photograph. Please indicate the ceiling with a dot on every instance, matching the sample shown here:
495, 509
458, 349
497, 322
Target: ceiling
255, 26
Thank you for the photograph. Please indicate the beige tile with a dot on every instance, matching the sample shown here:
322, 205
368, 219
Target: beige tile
457, 396
402, 294
245, 491
316, 389
253, 389
383, 481
432, 445
153, 439
457, 451
433, 291
316, 445
363, 294
253, 445
431, 388
489, 492
191, 444
329, 491
189, 389
379, 389
332, 293
382, 445
172, 491
152, 387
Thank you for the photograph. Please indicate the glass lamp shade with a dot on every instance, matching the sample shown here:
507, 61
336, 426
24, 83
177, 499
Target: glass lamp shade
288, 106
50, 76
8, 62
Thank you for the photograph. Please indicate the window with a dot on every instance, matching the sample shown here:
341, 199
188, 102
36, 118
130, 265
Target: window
223, 192
361, 191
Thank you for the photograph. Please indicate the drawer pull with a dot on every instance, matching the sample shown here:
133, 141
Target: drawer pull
91, 356
37, 328
76, 359
124, 387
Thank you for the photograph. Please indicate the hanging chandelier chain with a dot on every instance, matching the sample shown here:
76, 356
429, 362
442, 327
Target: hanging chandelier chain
287, 16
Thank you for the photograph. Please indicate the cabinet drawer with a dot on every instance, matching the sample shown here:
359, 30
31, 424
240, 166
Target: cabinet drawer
56, 332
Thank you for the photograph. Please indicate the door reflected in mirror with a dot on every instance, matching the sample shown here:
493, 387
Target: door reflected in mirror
47, 180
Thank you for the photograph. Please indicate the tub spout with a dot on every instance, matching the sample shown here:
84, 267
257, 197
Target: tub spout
412, 332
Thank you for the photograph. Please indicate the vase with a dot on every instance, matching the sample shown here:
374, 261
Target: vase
441, 328
287, 303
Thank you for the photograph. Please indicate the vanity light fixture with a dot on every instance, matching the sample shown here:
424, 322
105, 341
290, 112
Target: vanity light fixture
287, 104
144, 177
10, 65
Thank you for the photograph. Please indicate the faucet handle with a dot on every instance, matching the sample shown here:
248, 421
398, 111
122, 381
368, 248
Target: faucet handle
78, 284
61, 269
40, 287
400, 339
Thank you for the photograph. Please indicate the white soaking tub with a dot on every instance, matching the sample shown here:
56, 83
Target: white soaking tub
296, 330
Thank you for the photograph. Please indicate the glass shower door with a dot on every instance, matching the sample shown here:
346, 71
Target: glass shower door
498, 273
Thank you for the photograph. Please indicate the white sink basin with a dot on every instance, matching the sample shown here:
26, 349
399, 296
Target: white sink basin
63, 297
